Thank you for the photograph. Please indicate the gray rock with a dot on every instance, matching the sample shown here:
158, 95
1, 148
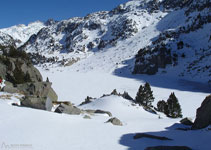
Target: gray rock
203, 115
87, 100
22, 77
89, 111
103, 112
186, 121
18, 71
68, 109
115, 121
38, 95
9, 88
34, 102
87, 117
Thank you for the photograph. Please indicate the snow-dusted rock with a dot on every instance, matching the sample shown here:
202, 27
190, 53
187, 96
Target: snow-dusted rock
115, 121
68, 109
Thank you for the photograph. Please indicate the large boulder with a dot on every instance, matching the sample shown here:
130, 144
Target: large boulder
38, 95
203, 115
115, 121
98, 111
68, 109
9, 88
186, 121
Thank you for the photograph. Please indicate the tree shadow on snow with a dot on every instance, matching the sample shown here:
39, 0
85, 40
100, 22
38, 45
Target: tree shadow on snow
191, 138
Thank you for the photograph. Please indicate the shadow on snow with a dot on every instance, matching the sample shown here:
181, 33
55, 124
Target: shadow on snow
191, 138
162, 80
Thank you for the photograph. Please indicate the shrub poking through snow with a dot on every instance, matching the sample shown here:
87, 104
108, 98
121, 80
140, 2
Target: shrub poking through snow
145, 95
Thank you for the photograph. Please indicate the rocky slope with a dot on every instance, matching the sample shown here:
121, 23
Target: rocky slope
186, 42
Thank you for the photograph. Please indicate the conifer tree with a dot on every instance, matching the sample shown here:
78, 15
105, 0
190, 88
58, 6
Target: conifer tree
174, 109
145, 95
162, 106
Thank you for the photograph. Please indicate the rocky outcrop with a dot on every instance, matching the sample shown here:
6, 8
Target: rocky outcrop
203, 115
22, 77
186, 121
149, 60
115, 121
38, 95
18, 70
98, 111
68, 109
87, 117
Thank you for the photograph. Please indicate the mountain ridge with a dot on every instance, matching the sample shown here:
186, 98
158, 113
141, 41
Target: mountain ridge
126, 33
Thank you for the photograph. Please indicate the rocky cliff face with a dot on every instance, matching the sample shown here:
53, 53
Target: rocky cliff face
22, 77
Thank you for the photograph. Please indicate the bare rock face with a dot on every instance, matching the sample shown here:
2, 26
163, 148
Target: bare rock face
203, 115
186, 121
98, 111
38, 95
115, 121
18, 71
22, 77
68, 109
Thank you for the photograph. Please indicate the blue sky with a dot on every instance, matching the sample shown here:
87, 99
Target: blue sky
14, 12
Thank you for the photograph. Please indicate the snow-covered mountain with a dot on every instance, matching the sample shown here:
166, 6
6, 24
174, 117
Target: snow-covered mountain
145, 36
21, 33
6, 40
167, 34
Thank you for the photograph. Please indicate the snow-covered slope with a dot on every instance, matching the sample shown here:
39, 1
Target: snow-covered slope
21, 33
36, 129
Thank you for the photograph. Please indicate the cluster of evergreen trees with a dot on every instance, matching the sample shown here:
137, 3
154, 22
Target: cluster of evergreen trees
171, 108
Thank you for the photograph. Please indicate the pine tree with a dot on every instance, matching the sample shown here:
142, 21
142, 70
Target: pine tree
162, 106
145, 95
174, 109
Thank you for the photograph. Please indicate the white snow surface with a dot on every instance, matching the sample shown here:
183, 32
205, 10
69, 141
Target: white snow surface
98, 73
43, 130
